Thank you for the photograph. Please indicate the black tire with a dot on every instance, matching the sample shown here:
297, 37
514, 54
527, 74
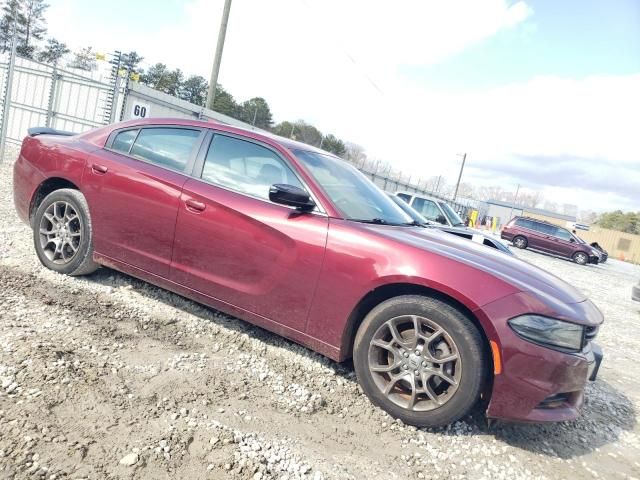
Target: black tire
470, 348
520, 242
81, 261
580, 258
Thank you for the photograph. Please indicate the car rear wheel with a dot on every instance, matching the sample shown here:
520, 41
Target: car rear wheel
62, 233
520, 242
421, 360
580, 258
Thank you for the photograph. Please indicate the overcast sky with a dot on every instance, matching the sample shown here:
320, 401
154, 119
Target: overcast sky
542, 93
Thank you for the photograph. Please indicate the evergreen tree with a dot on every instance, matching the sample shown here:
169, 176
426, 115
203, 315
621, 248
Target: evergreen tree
33, 26
53, 52
84, 59
194, 90
256, 111
12, 19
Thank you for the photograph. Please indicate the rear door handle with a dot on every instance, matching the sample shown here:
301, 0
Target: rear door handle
99, 169
195, 206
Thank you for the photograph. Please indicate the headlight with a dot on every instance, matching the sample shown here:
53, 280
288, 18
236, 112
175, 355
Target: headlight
549, 332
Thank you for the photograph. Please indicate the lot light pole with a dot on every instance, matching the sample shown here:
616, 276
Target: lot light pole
464, 158
513, 204
211, 93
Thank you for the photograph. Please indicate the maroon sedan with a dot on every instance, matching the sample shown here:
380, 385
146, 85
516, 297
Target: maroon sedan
295, 240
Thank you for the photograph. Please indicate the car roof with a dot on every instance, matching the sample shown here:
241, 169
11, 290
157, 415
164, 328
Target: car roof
541, 221
420, 195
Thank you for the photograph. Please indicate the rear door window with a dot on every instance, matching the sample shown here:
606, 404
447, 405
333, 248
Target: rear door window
166, 146
546, 229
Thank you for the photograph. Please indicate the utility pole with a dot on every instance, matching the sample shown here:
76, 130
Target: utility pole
435, 190
213, 83
514, 202
255, 114
464, 158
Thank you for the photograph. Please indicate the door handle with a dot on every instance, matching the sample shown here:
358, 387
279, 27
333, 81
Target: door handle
99, 169
195, 206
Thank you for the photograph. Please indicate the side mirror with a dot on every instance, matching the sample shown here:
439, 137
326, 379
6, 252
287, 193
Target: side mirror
291, 196
572, 240
441, 219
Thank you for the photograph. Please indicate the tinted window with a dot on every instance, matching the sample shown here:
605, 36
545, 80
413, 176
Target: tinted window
563, 234
245, 167
522, 222
426, 208
167, 147
404, 196
122, 142
546, 229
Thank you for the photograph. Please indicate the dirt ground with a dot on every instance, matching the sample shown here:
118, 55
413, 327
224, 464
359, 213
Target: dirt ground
109, 377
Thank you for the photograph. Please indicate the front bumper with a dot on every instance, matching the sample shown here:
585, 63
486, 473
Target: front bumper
536, 383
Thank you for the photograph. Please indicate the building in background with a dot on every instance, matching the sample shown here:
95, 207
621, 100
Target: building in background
504, 211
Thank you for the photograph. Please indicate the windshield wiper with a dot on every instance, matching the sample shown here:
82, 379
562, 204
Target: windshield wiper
382, 221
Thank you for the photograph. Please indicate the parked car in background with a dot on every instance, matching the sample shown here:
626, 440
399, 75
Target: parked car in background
299, 242
536, 234
462, 232
433, 209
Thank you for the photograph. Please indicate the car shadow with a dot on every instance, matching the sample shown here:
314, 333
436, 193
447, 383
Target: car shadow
559, 257
113, 278
606, 414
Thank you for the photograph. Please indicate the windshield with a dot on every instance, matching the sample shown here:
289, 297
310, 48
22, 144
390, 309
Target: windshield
454, 218
351, 192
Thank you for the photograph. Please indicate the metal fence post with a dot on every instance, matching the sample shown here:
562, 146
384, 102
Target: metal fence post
7, 97
52, 97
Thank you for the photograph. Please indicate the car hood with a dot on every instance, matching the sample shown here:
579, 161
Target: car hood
515, 271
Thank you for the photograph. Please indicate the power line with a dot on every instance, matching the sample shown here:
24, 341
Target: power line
344, 51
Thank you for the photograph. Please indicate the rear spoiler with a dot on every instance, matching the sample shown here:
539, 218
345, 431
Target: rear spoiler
35, 131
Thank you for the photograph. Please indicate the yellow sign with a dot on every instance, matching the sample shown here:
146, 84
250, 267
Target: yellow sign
100, 56
135, 76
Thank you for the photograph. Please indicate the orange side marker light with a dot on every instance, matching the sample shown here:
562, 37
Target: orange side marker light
497, 361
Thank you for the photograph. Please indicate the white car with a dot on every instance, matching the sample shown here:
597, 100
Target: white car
433, 209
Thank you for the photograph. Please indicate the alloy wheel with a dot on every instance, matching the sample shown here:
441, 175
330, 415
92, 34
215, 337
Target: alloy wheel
520, 242
580, 258
60, 232
415, 363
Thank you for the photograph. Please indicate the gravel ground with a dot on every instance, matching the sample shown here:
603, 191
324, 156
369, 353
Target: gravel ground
109, 377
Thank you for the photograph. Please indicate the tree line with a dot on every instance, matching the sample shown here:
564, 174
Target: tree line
628, 222
255, 111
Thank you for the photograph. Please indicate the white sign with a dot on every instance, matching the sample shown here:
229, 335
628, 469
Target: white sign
140, 110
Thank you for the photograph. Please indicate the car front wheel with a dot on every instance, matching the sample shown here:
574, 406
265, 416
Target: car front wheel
421, 360
580, 258
62, 233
